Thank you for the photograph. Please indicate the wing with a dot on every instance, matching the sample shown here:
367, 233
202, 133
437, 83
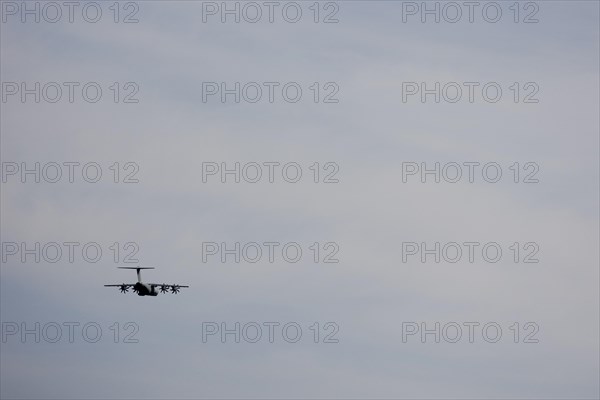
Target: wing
164, 288
161, 284
128, 285
124, 287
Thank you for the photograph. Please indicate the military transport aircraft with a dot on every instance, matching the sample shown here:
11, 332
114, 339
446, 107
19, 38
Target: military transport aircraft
146, 289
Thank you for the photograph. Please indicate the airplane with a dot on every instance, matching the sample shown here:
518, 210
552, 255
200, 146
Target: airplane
146, 289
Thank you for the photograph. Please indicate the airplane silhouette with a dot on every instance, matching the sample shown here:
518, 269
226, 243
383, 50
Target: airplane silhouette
146, 289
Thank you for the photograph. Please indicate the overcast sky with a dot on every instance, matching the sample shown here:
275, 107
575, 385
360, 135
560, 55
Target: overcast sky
364, 62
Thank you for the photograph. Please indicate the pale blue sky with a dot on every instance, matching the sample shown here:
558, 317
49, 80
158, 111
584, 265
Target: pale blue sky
369, 133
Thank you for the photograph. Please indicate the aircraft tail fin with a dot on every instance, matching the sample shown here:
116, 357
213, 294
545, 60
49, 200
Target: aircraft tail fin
139, 276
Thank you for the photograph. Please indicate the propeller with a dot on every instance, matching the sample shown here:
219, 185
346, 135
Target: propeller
135, 290
124, 288
164, 288
174, 289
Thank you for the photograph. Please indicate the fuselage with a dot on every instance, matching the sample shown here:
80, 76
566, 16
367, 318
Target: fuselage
143, 289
